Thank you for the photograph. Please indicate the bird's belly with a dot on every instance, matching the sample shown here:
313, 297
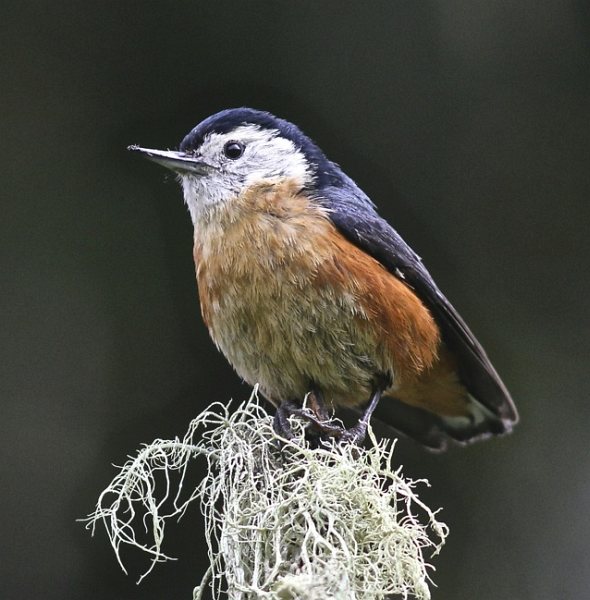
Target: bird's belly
287, 338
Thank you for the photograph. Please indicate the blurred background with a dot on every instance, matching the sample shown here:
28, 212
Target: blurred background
466, 122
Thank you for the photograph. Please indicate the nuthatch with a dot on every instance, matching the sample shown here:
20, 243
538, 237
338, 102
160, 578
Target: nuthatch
305, 288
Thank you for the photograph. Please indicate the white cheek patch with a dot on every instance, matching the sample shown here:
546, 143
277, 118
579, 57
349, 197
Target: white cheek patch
267, 156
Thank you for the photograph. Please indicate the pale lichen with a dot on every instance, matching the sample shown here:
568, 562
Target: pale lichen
282, 520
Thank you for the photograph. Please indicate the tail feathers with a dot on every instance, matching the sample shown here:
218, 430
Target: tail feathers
437, 432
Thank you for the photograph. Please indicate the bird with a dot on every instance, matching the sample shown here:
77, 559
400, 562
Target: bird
310, 293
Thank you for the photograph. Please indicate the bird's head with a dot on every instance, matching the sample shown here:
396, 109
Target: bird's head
234, 149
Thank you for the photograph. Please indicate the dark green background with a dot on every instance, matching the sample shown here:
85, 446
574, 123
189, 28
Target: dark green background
467, 122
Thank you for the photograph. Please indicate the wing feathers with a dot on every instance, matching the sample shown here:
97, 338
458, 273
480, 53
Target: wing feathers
354, 216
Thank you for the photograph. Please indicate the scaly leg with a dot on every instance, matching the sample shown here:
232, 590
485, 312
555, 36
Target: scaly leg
358, 433
281, 424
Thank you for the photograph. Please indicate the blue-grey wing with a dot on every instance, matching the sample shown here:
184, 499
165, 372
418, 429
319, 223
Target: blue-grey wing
355, 217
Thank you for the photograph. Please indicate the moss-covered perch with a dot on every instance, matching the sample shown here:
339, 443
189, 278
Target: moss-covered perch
282, 520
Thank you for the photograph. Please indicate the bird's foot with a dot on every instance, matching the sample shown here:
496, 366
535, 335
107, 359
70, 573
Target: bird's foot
319, 424
281, 423
358, 433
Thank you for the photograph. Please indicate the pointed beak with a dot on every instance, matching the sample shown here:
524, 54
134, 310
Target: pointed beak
179, 162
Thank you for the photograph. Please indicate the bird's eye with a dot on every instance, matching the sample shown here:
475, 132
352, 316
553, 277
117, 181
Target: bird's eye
233, 150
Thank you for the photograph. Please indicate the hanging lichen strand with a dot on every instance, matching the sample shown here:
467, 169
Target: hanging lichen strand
282, 520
